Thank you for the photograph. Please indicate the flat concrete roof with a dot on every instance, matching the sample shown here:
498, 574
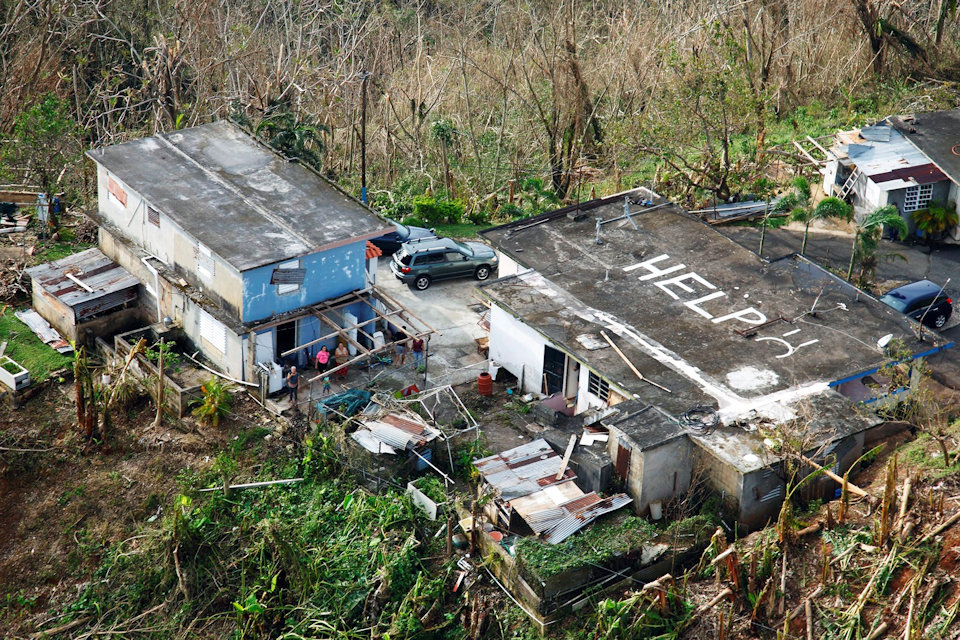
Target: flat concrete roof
647, 426
692, 310
248, 204
937, 136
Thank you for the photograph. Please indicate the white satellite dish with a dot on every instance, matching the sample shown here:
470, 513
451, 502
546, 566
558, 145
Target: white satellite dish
884, 341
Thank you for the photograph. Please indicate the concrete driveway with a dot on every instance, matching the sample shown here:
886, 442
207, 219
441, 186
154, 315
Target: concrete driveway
450, 308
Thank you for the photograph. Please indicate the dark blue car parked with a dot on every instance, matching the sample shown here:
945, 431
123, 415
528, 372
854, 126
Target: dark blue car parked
921, 300
390, 242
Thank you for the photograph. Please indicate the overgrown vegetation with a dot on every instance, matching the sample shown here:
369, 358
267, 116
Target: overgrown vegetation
25, 348
322, 558
596, 545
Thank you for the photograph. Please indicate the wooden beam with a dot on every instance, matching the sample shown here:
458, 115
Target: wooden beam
566, 456
79, 282
630, 364
818, 146
326, 337
343, 332
389, 299
852, 488
805, 153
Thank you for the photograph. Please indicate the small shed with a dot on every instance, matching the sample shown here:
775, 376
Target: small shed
84, 291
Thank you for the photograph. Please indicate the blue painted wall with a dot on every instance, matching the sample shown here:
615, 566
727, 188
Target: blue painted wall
329, 274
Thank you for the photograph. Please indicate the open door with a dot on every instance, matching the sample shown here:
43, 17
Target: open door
553, 369
623, 462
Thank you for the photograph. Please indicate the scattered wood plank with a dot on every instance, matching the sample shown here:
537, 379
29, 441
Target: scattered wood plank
726, 593
49, 633
630, 364
852, 488
952, 520
566, 456
80, 283
251, 485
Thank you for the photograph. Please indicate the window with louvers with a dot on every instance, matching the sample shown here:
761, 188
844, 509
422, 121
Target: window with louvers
598, 386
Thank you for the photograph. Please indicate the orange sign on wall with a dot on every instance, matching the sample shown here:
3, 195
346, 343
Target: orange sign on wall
114, 188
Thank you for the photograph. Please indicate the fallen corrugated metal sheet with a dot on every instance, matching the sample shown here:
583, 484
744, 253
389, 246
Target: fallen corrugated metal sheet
395, 431
44, 331
578, 520
543, 509
368, 441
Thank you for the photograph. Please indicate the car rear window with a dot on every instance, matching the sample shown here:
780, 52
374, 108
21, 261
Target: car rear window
896, 301
402, 257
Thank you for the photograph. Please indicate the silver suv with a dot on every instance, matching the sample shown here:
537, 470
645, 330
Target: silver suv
420, 263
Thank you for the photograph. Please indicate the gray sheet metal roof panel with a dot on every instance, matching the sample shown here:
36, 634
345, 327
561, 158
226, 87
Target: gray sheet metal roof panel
576, 521
250, 206
545, 520
95, 270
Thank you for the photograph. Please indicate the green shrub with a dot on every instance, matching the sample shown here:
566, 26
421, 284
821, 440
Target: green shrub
434, 211
215, 403
413, 221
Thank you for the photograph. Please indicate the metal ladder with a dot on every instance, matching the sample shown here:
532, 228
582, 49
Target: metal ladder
849, 184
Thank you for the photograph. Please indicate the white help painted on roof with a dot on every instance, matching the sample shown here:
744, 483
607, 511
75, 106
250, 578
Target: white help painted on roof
777, 406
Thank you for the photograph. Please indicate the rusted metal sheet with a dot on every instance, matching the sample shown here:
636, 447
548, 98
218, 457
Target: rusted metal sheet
110, 285
578, 520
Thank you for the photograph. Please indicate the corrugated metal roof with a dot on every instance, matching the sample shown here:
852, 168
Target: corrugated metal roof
875, 156
112, 285
578, 520
395, 431
368, 441
523, 470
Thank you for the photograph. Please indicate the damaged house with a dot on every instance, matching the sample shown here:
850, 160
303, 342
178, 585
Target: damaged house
690, 350
910, 162
257, 257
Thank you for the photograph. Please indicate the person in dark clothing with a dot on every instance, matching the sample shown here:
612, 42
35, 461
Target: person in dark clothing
416, 347
293, 385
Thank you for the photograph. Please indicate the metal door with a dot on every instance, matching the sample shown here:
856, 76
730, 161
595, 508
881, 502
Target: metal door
623, 462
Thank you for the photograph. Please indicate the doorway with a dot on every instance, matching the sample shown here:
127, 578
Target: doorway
286, 340
553, 368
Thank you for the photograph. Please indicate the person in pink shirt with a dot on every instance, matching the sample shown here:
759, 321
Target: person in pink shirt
323, 359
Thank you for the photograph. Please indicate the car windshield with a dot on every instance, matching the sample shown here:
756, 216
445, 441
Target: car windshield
467, 250
402, 229
895, 300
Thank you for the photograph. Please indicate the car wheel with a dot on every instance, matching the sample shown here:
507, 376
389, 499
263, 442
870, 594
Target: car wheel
421, 283
940, 320
482, 273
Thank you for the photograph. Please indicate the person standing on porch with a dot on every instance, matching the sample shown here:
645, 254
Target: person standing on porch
341, 356
323, 359
400, 338
293, 385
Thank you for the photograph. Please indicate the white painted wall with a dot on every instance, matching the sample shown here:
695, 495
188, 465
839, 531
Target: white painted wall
508, 266
517, 348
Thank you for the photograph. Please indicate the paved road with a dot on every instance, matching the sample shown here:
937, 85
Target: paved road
898, 263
